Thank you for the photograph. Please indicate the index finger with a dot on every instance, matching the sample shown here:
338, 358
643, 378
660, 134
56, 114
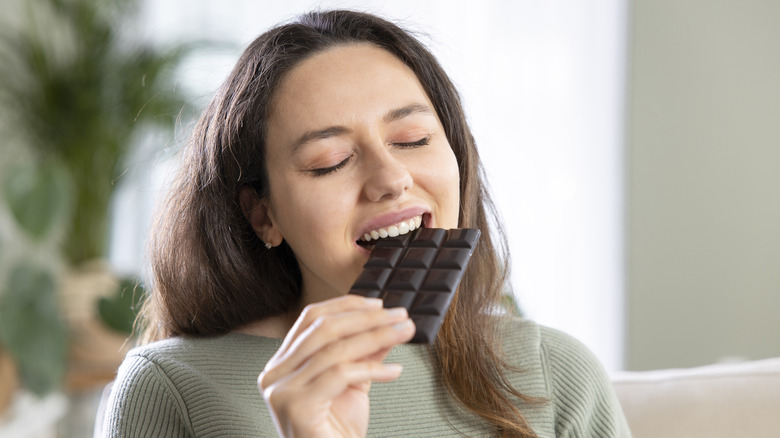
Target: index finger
313, 311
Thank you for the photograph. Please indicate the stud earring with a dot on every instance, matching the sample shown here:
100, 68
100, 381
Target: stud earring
268, 245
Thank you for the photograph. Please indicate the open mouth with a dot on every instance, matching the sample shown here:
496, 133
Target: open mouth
369, 239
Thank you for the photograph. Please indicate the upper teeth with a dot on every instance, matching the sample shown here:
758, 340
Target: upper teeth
394, 230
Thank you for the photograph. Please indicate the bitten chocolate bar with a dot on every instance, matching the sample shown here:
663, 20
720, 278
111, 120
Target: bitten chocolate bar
419, 271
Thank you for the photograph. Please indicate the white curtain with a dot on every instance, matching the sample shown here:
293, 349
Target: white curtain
542, 84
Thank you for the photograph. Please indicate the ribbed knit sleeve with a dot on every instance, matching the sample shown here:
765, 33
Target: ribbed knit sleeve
144, 403
192, 387
585, 402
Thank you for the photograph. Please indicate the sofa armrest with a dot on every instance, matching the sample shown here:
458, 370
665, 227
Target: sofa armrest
723, 400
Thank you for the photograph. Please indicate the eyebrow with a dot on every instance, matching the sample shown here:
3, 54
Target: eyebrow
319, 134
406, 111
334, 131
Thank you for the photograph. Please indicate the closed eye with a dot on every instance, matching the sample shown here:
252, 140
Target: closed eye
413, 144
327, 170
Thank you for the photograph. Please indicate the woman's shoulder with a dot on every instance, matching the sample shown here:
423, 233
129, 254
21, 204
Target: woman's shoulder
193, 381
550, 356
552, 347
576, 385
183, 346
185, 362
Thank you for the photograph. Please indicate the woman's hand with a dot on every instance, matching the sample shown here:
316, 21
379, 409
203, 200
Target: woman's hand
317, 384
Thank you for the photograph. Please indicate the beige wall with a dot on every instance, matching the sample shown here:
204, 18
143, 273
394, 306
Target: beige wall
703, 174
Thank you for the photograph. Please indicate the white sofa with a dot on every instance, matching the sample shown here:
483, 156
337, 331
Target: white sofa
714, 401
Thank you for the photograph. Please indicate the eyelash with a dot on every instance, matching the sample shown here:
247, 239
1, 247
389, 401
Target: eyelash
414, 144
410, 145
326, 170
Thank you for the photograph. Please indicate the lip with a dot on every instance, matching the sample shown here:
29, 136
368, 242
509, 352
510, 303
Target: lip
390, 218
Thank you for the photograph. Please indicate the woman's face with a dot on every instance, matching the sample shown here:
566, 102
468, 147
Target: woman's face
354, 147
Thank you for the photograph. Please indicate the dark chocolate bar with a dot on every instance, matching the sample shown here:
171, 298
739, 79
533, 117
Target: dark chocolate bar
420, 271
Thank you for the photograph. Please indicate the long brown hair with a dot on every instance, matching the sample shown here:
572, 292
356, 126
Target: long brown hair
210, 271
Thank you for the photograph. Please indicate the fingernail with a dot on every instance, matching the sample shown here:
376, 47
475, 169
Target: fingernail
403, 325
397, 311
373, 302
394, 368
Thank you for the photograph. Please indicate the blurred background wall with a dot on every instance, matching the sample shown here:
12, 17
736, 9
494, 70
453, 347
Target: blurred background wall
703, 182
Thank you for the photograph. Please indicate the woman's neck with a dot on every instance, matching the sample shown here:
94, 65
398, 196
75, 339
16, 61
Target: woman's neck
278, 326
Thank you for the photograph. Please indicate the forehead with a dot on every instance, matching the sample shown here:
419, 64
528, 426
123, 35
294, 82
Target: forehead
344, 82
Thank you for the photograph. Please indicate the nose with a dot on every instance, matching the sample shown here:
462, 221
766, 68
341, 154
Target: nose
388, 178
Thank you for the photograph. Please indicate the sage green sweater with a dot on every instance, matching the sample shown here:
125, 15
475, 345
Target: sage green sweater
206, 387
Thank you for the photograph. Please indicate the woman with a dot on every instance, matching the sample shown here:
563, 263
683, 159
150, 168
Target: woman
327, 129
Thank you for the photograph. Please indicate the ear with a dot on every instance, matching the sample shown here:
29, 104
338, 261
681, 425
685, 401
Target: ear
259, 216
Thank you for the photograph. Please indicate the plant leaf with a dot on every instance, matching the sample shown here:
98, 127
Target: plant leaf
119, 311
38, 197
31, 328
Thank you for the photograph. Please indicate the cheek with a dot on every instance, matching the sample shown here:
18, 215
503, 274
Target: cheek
305, 211
452, 177
442, 181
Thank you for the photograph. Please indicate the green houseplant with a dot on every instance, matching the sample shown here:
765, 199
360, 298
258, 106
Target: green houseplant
36, 199
81, 91
77, 91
